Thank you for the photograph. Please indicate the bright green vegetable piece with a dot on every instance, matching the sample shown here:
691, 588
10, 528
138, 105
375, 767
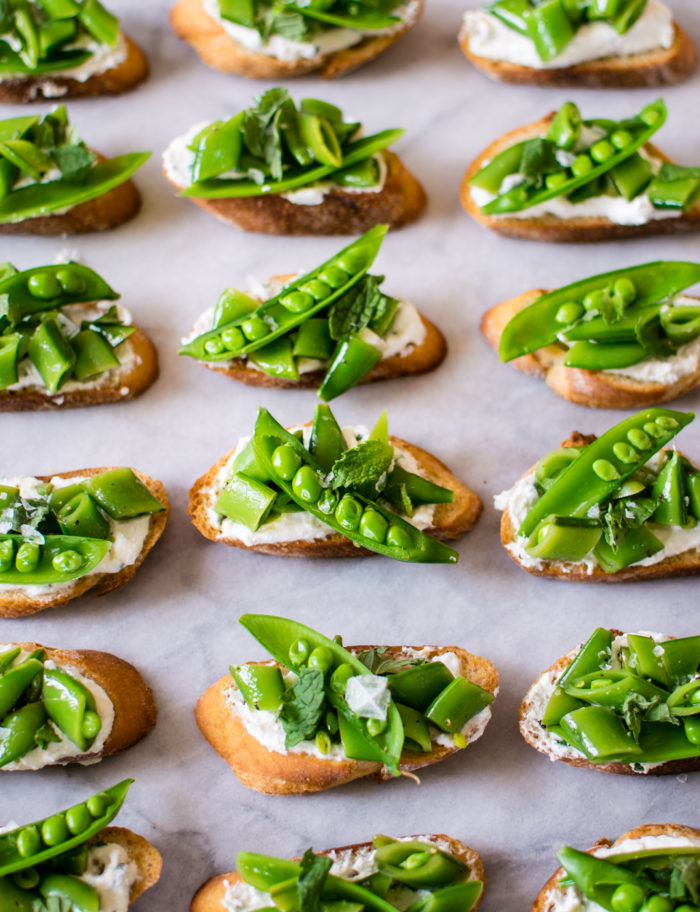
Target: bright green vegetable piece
81, 516
635, 546
353, 359
71, 706
434, 868
9, 356
563, 539
416, 729
314, 340
327, 442
669, 489
51, 354
246, 500
262, 686
565, 129
94, 355
417, 687
121, 494
18, 730
456, 704
594, 652
458, 898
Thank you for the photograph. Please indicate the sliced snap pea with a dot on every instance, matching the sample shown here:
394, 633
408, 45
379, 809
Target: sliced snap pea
562, 538
458, 898
18, 730
52, 354
94, 355
262, 686
597, 356
418, 687
419, 865
681, 658
457, 703
353, 359
368, 18
610, 687
15, 682
71, 706
669, 489
246, 500
594, 652
121, 494
62, 558
327, 442
637, 545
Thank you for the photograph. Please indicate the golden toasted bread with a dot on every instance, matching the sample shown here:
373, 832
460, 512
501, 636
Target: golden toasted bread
299, 773
581, 229
218, 50
210, 896
146, 857
664, 66
597, 389
685, 564
131, 72
450, 520
21, 602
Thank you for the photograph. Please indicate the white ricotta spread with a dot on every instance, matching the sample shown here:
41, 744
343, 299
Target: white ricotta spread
112, 874
327, 41
520, 499
491, 38
103, 58
57, 753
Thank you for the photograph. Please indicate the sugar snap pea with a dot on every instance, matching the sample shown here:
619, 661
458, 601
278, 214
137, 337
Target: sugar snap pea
60, 559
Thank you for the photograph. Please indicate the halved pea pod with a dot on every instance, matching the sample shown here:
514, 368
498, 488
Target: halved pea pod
58, 559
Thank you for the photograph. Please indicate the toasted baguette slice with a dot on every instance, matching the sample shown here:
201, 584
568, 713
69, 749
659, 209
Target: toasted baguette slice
218, 50
581, 229
131, 72
297, 773
536, 735
664, 66
685, 564
135, 709
210, 896
546, 900
451, 520
597, 389
127, 383
21, 602
400, 201
146, 857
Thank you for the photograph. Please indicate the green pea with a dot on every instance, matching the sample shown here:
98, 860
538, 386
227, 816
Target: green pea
653, 430
649, 116
7, 555
597, 682
54, 830
331, 722
601, 151
375, 727
26, 879
285, 461
43, 285
98, 804
340, 677
27, 558
657, 904
297, 302
627, 898
556, 179
459, 740
28, 841
327, 502
373, 525
581, 165
568, 313
67, 561
416, 860
307, 485
398, 537
666, 422
624, 452
323, 742
691, 725
333, 276
233, 338
78, 819
299, 652
594, 300
321, 658
621, 139
71, 281
625, 289
91, 724
353, 261
254, 328
214, 346
639, 439
317, 289
348, 513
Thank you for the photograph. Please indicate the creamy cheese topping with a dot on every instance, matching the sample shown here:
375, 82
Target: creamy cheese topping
520, 499
490, 37
112, 874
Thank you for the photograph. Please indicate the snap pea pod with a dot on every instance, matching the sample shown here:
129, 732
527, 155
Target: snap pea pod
400, 540
605, 355
18, 730
605, 464
12, 63
50, 287
594, 652
59, 559
458, 898
597, 878
35, 843
428, 867
368, 19
536, 326
623, 330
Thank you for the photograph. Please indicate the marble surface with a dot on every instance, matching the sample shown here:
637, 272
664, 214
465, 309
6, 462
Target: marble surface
177, 620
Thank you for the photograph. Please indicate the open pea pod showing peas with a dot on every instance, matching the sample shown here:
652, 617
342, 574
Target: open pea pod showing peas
56, 559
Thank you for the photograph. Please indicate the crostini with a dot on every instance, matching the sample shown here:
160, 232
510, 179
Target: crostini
645, 868
52, 183
265, 41
60, 706
624, 339
619, 703
572, 180
75, 860
635, 43
319, 491
63, 535
614, 508
314, 173
65, 50
376, 710
62, 344
428, 872
332, 327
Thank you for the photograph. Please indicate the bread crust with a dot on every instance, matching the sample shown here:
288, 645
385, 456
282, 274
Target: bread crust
596, 389
210, 896
687, 563
135, 381
528, 720
665, 66
140, 850
400, 201
218, 50
419, 359
135, 709
451, 520
296, 773
579, 230
543, 904
131, 72
21, 604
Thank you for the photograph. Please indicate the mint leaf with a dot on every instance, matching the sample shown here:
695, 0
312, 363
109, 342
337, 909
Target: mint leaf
672, 172
374, 660
314, 871
363, 468
289, 24
302, 706
623, 515
685, 879
358, 307
261, 129
45, 735
637, 709
73, 161
537, 159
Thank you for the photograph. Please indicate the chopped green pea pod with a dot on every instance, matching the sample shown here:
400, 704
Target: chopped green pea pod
597, 356
327, 442
81, 516
94, 355
51, 354
121, 494
599, 733
71, 706
60, 559
246, 500
416, 729
594, 652
353, 359
18, 731
82, 896
262, 686
669, 491
417, 687
681, 657
610, 688
14, 683
456, 704
433, 867
564, 539
458, 898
